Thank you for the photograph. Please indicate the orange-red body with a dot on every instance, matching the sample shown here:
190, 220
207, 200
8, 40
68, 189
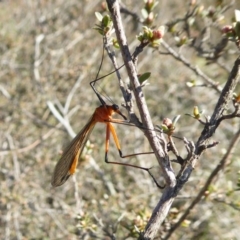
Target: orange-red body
67, 164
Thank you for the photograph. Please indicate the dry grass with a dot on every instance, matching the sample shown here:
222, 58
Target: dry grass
106, 196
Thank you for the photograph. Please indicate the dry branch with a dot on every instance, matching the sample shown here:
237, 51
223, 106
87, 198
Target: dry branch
173, 185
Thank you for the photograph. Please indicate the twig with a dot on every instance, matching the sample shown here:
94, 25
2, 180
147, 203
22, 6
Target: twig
165, 202
230, 204
211, 126
37, 60
61, 119
195, 69
173, 185
15, 157
5, 92
214, 173
125, 92
222, 104
124, 10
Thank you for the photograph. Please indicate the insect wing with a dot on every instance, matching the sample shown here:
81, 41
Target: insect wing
68, 162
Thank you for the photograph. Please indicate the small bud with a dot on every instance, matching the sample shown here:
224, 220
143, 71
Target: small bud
191, 83
147, 32
181, 41
227, 29
104, 6
200, 10
149, 4
167, 122
211, 11
115, 43
196, 113
193, 2
236, 98
186, 223
159, 33
149, 19
206, 193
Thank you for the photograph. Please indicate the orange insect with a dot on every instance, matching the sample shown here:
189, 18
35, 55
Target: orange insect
67, 164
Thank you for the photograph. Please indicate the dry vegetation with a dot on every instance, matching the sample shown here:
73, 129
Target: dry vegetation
46, 48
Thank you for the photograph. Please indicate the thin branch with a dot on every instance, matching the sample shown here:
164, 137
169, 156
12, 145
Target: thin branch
161, 211
125, 92
61, 119
210, 179
14, 156
230, 204
123, 9
195, 69
222, 104
211, 126
113, 7
172, 186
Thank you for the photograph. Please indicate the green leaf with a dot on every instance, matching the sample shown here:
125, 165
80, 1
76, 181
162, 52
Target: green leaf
237, 28
106, 21
99, 29
175, 119
191, 83
144, 13
99, 16
144, 77
164, 128
237, 15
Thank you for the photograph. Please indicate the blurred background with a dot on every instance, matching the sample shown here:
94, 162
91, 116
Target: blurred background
49, 53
